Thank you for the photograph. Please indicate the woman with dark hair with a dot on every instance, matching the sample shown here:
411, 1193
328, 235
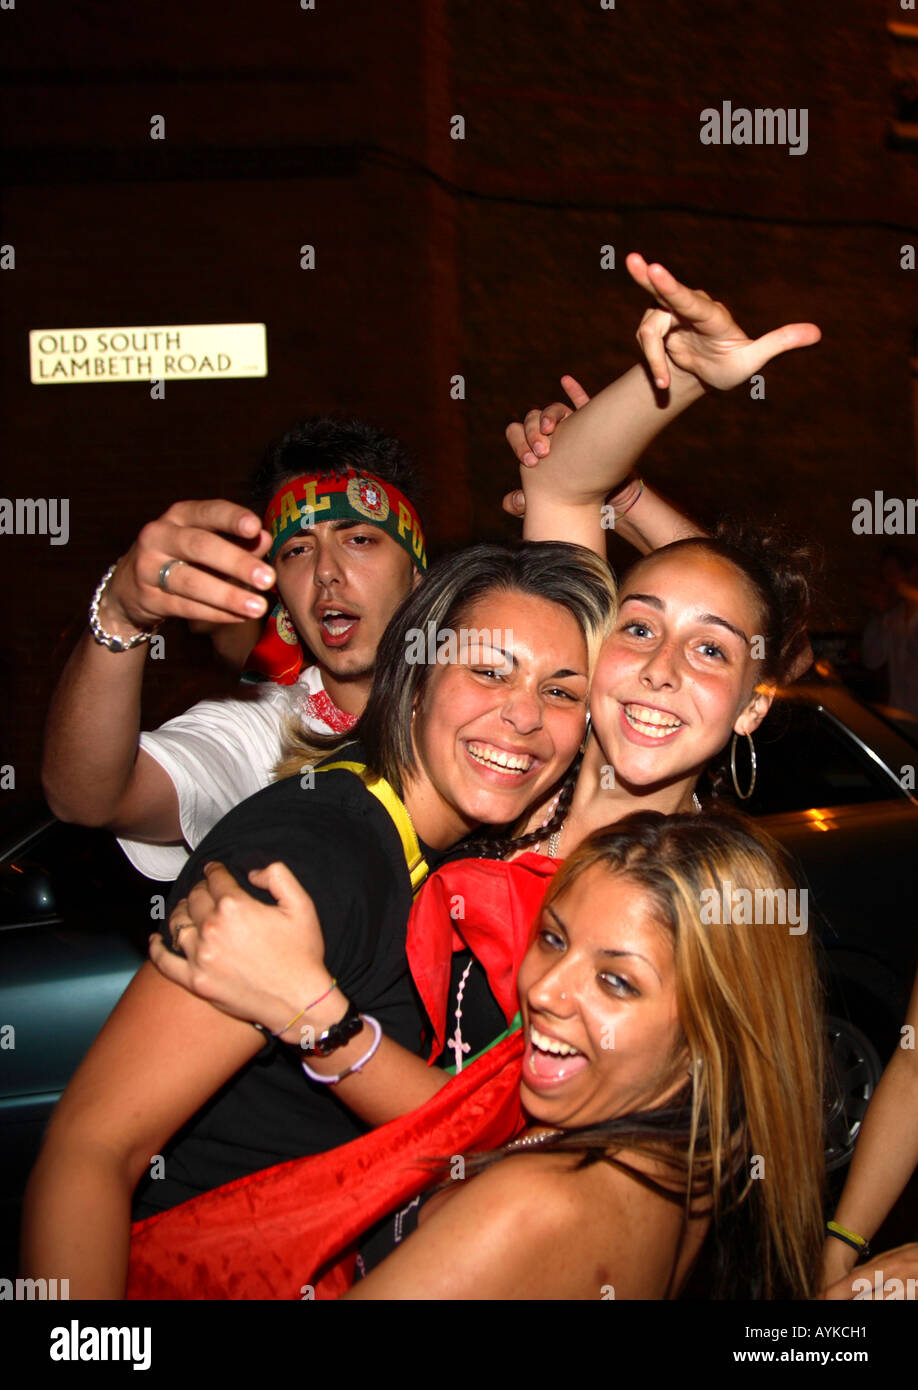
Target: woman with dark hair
473, 740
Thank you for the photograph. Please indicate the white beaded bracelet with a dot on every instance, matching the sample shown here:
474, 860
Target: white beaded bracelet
361, 1061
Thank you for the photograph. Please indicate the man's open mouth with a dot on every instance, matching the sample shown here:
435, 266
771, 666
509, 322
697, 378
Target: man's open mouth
337, 624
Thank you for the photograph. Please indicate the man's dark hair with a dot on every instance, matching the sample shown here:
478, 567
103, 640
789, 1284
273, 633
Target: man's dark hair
329, 445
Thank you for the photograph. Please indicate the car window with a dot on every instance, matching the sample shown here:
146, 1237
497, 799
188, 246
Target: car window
903, 723
805, 760
78, 878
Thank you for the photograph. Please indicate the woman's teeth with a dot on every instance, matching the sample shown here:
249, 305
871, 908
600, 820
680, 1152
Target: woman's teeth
546, 1044
488, 756
652, 722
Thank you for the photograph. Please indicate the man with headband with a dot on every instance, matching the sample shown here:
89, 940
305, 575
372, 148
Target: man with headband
341, 545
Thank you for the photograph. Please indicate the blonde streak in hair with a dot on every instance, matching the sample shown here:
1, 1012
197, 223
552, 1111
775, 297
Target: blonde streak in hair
778, 1126
723, 1031
300, 748
781, 1117
789, 1086
701, 1008
800, 1097
598, 630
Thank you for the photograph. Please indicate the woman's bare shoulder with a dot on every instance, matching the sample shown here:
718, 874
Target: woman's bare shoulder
536, 1226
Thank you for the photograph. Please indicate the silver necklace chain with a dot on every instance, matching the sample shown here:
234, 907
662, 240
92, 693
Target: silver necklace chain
529, 1141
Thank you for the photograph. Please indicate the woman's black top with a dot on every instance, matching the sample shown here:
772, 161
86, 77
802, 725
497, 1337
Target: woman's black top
341, 844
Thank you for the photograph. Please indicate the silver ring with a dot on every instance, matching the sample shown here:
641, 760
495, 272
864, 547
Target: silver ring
164, 574
175, 932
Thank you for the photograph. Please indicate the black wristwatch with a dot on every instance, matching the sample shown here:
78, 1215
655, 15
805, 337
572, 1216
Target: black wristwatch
338, 1035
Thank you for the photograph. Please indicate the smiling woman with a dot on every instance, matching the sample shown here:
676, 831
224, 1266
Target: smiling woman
657, 1055
707, 629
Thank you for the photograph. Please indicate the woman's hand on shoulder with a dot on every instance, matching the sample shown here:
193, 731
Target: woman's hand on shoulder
255, 961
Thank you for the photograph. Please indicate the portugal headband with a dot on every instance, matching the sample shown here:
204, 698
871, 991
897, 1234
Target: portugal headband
307, 501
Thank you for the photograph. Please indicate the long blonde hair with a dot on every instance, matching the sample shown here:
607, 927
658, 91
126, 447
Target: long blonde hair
744, 1139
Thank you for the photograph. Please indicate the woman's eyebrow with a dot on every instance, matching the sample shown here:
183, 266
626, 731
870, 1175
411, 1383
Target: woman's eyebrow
557, 920
643, 598
605, 950
722, 622
513, 663
655, 602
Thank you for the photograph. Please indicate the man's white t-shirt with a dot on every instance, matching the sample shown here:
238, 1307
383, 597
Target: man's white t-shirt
218, 753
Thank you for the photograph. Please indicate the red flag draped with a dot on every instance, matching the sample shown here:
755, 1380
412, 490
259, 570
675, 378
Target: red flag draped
272, 1233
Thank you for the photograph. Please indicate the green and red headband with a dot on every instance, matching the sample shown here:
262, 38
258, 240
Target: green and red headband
307, 501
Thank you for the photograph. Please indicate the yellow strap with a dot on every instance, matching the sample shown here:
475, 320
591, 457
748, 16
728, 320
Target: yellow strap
398, 812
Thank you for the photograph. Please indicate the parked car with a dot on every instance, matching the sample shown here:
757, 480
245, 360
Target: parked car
74, 922
835, 784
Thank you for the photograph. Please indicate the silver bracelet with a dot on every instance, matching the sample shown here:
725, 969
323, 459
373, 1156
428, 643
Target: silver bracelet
108, 639
361, 1061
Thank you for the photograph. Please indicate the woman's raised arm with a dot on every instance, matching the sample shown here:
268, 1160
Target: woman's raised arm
886, 1152
691, 344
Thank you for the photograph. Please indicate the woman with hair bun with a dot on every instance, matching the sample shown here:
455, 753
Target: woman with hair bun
707, 629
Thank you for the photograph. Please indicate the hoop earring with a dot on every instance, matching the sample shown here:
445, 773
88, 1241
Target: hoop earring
586, 733
743, 796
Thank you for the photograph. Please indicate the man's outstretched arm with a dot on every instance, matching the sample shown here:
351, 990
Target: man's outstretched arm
92, 770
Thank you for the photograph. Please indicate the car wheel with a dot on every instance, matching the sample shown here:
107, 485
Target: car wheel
852, 1072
